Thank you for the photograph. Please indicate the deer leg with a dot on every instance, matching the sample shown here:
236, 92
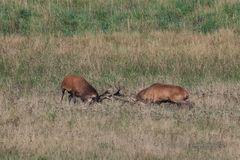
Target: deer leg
63, 91
70, 97
74, 97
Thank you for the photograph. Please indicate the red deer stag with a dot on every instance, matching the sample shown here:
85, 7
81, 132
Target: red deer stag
77, 86
158, 93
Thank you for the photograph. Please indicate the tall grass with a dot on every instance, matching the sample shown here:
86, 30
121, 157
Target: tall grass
37, 126
132, 59
135, 43
80, 16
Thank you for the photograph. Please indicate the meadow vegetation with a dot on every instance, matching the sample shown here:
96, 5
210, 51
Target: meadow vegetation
73, 17
194, 44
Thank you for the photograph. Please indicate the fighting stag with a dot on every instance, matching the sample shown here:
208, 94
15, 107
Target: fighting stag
77, 86
158, 93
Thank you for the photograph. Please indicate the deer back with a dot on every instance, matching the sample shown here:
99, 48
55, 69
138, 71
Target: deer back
162, 92
78, 85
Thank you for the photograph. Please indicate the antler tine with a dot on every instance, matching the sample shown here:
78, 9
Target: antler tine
119, 88
104, 93
108, 95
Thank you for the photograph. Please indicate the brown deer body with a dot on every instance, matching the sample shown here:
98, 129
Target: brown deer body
158, 93
77, 86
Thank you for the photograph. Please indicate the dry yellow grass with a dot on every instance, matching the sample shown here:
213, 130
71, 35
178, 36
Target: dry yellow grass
127, 43
135, 59
33, 124
39, 125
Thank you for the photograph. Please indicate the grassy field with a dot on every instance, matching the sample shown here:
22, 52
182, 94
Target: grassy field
194, 44
71, 17
34, 125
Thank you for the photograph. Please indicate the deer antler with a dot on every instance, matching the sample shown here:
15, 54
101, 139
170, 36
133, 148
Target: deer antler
104, 93
108, 95
117, 93
122, 97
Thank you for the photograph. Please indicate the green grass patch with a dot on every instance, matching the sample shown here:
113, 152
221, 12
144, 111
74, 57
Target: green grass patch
80, 17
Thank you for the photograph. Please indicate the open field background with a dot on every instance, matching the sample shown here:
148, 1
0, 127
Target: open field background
71, 17
129, 44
